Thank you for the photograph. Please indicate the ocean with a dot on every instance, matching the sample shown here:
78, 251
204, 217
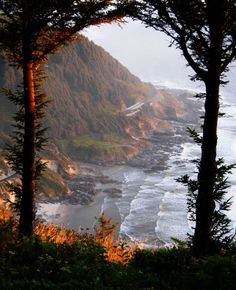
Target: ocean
151, 205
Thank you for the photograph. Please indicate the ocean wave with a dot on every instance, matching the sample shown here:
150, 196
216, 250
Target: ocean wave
187, 86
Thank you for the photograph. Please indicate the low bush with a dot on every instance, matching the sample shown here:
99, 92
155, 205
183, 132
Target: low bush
60, 259
177, 269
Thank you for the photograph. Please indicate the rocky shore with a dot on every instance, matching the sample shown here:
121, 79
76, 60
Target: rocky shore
91, 181
152, 158
84, 187
104, 185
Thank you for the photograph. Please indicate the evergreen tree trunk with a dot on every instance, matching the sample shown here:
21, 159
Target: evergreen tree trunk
28, 175
202, 241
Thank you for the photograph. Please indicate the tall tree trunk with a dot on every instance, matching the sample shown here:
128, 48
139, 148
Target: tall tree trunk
202, 242
28, 176
205, 205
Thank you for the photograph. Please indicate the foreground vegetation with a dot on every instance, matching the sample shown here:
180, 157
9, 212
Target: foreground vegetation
59, 259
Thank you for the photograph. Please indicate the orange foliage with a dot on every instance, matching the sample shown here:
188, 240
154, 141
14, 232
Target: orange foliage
116, 250
120, 251
59, 235
5, 214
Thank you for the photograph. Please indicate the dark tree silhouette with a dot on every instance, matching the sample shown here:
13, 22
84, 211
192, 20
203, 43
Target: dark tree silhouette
205, 31
29, 31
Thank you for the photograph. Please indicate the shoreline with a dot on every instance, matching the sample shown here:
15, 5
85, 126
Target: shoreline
107, 185
113, 193
58, 213
70, 212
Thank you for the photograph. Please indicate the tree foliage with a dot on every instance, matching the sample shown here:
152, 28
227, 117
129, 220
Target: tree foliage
47, 25
191, 32
221, 231
15, 148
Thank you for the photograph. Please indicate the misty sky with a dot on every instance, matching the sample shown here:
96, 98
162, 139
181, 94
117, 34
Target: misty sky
146, 53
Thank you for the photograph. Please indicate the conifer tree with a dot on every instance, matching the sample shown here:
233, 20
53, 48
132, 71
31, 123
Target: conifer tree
205, 32
29, 31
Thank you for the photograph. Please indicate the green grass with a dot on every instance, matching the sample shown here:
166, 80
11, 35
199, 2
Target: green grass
88, 141
109, 141
92, 147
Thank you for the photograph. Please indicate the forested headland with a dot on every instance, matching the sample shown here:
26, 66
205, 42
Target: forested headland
97, 110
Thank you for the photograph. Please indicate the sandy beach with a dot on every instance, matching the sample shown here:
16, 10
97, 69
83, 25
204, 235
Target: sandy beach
79, 217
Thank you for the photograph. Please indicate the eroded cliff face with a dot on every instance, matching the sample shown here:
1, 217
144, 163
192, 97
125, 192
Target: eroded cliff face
154, 113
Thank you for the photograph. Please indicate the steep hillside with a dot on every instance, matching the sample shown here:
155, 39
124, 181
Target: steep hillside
97, 107
89, 88
89, 91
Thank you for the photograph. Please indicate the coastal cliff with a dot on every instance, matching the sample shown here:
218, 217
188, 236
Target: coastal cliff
98, 111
